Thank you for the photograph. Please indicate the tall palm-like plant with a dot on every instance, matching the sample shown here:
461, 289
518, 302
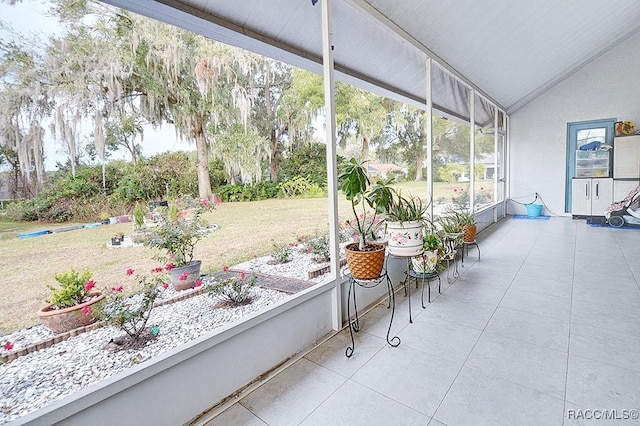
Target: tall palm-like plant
357, 188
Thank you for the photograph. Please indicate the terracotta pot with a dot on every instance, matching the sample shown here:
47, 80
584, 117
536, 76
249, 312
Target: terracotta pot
189, 274
365, 265
469, 233
66, 319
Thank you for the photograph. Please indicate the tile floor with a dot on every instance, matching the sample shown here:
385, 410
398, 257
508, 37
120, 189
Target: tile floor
544, 328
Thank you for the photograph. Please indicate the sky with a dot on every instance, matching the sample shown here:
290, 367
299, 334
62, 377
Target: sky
29, 18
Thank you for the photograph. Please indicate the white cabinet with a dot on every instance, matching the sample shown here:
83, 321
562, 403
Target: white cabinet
626, 157
591, 197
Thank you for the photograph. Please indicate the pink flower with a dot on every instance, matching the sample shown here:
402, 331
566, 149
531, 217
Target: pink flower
205, 203
8, 346
168, 266
86, 310
217, 199
165, 286
309, 249
182, 213
129, 272
183, 276
225, 268
157, 269
89, 285
242, 275
117, 289
198, 283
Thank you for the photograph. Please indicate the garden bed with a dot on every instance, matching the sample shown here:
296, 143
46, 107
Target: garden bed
52, 367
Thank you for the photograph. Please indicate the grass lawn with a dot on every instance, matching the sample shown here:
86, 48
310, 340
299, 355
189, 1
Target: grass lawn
246, 230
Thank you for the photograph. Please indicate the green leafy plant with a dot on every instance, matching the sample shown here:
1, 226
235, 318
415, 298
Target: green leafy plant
432, 242
131, 313
407, 209
236, 289
281, 253
180, 228
461, 215
319, 248
449, 225
357, 188
75, 287
138, 215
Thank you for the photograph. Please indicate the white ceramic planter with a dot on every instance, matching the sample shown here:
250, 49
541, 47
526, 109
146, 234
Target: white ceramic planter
426, 263
404, 238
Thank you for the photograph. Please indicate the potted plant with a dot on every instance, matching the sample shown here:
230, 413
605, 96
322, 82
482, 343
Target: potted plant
365, 258
463, 220
72, 304
179, 229
429, 260
404, 221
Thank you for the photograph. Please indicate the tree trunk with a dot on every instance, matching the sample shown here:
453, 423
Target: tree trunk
202, 164
274, 166
365, 149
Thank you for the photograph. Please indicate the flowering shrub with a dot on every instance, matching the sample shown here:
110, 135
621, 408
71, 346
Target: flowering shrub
75, 287
461, 196
319, 248
130, 314
237, 289
180, 228
281, 254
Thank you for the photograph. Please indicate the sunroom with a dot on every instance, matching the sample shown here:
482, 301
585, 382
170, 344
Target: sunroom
535, 78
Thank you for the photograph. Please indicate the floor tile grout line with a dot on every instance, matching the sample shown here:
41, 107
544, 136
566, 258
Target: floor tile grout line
479, 337
573, 282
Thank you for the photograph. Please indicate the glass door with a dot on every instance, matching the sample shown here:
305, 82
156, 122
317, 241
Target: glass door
581, 134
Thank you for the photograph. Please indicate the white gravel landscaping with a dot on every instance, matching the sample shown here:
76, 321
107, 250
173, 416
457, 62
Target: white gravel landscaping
34, 380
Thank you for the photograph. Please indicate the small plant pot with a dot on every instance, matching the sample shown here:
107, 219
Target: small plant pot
115, 241
425, 263
185, 277
66, 319
469, 233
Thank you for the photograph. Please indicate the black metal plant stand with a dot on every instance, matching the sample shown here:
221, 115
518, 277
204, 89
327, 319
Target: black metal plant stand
354, 325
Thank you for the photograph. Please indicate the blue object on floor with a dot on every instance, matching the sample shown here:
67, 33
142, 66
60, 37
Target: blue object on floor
534, 210
601, 225
34, 234
524, 216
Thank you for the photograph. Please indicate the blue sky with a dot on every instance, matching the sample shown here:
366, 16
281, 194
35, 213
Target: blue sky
29, 18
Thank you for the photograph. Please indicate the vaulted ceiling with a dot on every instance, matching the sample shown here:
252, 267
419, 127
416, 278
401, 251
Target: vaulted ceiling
512, 51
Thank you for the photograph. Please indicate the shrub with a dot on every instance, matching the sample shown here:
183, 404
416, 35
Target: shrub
74, 289
319, 246
281, 254
236, 289
130, 314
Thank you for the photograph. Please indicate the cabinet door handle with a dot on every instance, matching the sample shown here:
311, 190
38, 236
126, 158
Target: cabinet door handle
586, 190
597, 192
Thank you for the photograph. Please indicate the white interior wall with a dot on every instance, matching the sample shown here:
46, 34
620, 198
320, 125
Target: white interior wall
608, 87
